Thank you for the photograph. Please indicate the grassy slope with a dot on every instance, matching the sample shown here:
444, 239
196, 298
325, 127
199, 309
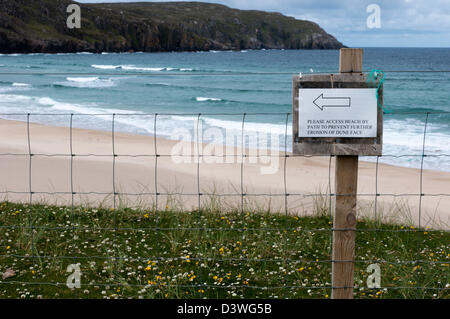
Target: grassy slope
173, 254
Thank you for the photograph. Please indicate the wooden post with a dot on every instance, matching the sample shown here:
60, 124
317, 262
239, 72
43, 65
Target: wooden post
344, 226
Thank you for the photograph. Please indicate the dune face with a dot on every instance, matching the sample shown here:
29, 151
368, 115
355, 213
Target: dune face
32, 26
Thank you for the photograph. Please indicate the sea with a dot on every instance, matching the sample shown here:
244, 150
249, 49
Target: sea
212, 90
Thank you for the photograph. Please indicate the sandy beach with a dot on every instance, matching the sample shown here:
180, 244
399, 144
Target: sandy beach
133, 173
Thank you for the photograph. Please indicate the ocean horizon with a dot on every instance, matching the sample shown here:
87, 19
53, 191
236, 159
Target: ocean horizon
219, 87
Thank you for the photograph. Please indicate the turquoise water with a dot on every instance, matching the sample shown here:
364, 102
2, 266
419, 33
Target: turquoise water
223, 82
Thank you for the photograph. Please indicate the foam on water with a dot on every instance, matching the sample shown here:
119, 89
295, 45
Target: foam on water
15, 87
87, 82
205, 99
135, 68
82, 80
21, 84
105, 67
139, 68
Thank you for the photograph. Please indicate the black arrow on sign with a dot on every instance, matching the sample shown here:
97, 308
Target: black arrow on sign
322, 102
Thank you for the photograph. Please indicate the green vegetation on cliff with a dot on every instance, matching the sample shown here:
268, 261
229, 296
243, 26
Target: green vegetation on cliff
40, 26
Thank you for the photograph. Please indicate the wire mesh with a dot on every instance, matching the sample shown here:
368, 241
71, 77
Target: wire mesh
286, 228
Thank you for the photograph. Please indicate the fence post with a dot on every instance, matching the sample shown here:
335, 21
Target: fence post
344, 226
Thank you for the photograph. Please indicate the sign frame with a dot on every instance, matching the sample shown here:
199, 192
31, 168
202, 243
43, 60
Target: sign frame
335, 145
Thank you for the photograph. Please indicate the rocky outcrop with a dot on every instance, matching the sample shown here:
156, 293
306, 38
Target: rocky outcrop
40, 26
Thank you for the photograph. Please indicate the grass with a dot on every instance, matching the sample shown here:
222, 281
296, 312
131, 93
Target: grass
207, 254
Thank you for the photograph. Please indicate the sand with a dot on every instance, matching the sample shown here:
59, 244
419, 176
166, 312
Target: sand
132, 171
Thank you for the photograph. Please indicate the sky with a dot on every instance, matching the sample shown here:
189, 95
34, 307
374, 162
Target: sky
403, 23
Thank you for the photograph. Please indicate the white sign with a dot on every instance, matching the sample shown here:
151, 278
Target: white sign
337, 113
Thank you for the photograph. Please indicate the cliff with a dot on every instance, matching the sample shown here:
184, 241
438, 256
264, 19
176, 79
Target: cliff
30, 26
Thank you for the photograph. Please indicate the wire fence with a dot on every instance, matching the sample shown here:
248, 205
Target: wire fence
429, 276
